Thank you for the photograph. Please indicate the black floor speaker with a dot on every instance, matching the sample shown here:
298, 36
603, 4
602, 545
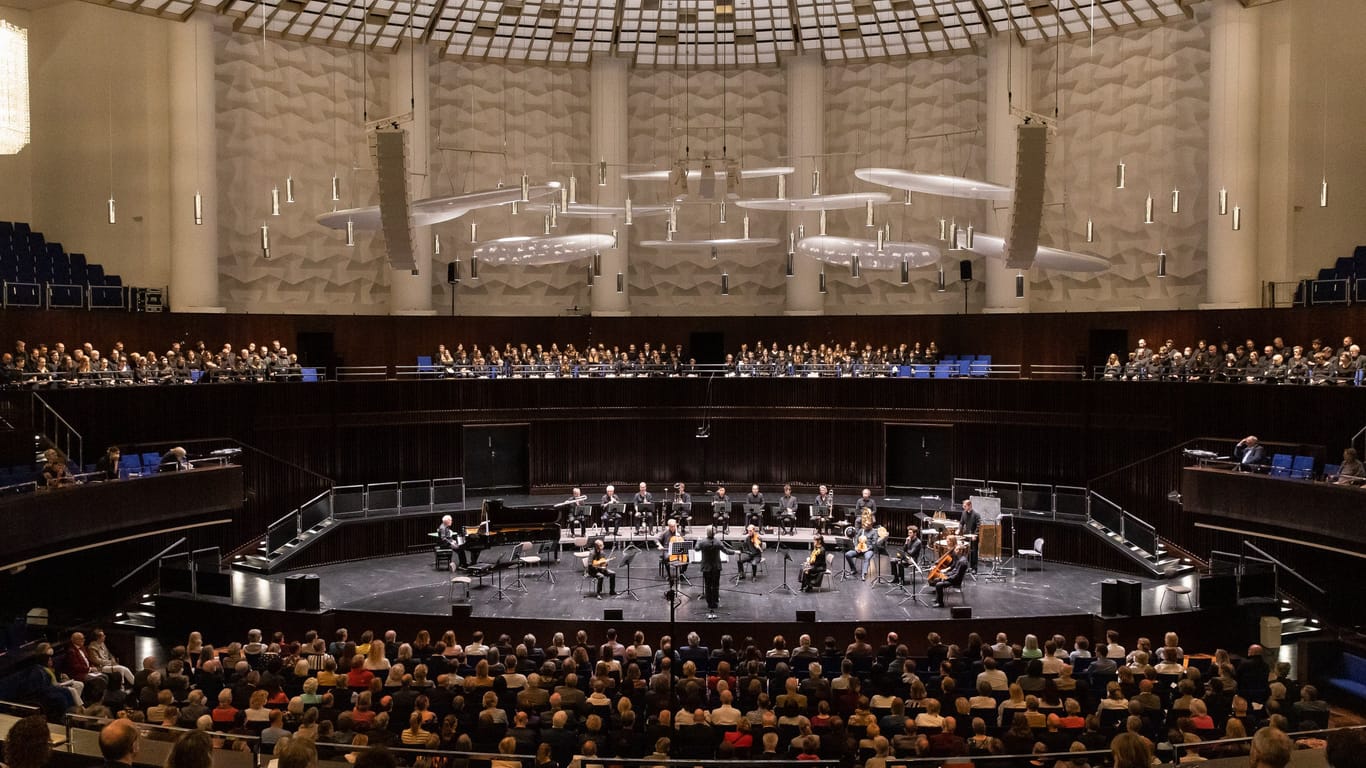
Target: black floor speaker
1121, 597
960, 612
611, 614
806, 617
302, 593
1218, 590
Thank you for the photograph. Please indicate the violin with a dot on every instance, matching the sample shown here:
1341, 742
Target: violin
757, 542
815, 555
861, 544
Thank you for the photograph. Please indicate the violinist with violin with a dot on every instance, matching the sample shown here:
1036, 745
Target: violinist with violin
814, 567
711, 549
597, 568
751, 552
863, 548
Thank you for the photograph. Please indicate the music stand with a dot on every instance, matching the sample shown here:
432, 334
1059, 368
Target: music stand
680, 548
682, 514
616, 510
626, 561
720, 512
879, 549
754, 511
784, 587
643, 516
912, 595
499, 565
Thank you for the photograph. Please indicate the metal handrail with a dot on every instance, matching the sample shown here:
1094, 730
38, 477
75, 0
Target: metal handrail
48, 409
154, 558
1037, 370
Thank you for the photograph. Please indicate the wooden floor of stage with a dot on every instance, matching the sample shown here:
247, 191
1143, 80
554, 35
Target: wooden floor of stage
409, 584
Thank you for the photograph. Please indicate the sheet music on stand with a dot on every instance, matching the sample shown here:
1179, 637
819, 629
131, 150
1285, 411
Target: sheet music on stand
987, 507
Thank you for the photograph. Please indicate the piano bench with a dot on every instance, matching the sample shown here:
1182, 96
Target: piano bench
443, 558
480, 571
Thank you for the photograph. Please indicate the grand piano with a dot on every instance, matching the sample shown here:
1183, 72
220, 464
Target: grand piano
501, 528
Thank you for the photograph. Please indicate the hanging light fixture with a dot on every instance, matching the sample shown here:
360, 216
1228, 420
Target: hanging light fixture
554, 216
867, 215
1223, 201
621, 282
615, 240
274, 201
474, 267
573, 191
782, 187
1162, 263
289, 189
791, 242
725, 284
526, 188
1148, 209
436, 243
265, 240
1237, 217
943, 229
723, 212
455, 270
1090, 231
547, 224
1176, 200
602, 172
474, 232
589, 275
336, 189
1019, 285
350, 234
198, 208
628, 217
744, 227
564, 198
855, 270
801, 231
967, 243
905, 272
907, 200
881, 241
822, 282
514, 208
953, 236
822, 221
673, 218
815, 182
595, 270
790, 269
942, 284
1119, 175
1323, 193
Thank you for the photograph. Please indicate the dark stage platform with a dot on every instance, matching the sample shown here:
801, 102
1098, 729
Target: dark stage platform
409, 584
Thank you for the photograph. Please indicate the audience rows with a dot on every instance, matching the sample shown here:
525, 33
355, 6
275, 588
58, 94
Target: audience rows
573, 699
1274, 363
46, 366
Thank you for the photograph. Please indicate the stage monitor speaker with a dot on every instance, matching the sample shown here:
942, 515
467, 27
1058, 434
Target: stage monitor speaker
960, 612
1121, 597
1218, 590
302, 593
391, 165
806, 617
965, 270
461, 610
1026, 208
611, 614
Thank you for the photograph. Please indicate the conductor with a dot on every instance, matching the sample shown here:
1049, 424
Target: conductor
711, 549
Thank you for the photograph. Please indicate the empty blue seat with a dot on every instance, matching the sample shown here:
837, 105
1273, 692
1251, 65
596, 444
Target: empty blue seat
21, 228
24, 293
6, 228
310, 374
1281, 464
1344, 267
113, 280
77, 260
943, 371
195, 375
980, 367
424, 364
948, 359
151, 460
62, 296
105, 297
1330, 471
1302, 468
94, 274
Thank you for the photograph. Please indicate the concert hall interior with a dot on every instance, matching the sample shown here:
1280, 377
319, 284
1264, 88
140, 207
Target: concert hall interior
947, 335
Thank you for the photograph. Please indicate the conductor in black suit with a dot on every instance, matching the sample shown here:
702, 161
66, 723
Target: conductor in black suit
968, 525
711, 549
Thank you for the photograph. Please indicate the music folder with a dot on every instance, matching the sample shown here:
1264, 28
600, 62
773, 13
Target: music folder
618, 509
754, 509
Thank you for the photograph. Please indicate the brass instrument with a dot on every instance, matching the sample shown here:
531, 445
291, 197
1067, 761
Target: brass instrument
866, 519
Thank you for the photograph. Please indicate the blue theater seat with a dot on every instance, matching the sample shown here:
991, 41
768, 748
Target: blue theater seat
1302, 468
1281, 465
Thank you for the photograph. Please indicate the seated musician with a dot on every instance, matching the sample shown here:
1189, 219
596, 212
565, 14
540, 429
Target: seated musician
751, 552
579, 511
912, 549
968, 525
787, 511
597, 568
682, 506
452, 537
611, 517
644, 506
667, 538
720, 510
822, 509
814, 567
755, 497
865, 501
951, 577
863, 547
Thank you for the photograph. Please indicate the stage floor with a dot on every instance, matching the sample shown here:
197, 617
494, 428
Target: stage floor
409, 584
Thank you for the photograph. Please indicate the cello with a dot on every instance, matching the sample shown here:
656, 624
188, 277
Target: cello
937, 570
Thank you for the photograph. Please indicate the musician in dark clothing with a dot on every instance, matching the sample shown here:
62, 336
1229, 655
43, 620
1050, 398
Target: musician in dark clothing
751, 552
667, 538
682, 506
814, 567
579, 511
712, 548
822, 509
953, 577
913, 547
720, 509
787, 511
452, 537
597, 568
644, 506
755, 497
968, 525
611, 517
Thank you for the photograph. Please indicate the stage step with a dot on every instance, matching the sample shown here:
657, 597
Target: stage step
142, 618
1157, 564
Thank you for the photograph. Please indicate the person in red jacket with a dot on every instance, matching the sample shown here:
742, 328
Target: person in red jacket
78, 665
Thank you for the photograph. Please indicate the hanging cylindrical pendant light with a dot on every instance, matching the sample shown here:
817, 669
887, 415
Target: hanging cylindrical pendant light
790, 268
350, 234
573, 191
596, 268
725, 284
1090, 231
547, 223
526, 188
723, 212
1176, 200
265, 241
436, 243
1161, 263
868, 215
822, 221
907, 200
289, 189
474, 232
801, 231
336, 189
668, 235
1019, 285
715, 254
855, 269
455, 270
198, 208
589, 274
564, 198
1148, 209
1119, 175
943, 229
554, 216
621, 282
602, 172
673, 218
616, 240
815, 181
782, 187
474, 267
1237, 217
514, 207
1223, 201
274, 201
905, 272
881, 241
967, 238
943, 284
627, 220
791, 242
744, 227
953, 236
822, 282
1323, 193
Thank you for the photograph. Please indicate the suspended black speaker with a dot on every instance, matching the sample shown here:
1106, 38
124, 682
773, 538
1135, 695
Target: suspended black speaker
965, 270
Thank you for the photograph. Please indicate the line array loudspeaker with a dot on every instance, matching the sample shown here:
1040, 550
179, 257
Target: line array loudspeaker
1026, 209
391, 162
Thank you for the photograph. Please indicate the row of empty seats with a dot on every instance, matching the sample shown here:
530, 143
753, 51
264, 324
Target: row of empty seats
1343, 282
37, 274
